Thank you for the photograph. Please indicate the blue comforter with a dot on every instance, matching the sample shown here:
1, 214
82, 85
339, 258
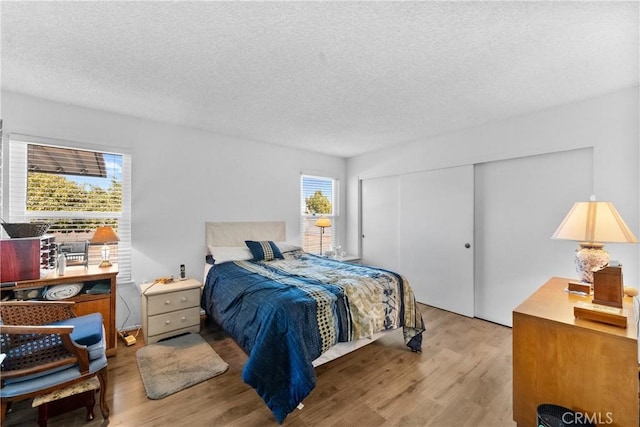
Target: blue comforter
286, 313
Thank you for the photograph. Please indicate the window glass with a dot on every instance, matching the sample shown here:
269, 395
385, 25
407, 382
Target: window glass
318, 201
76, 190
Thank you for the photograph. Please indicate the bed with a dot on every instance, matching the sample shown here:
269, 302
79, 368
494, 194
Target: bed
290, 310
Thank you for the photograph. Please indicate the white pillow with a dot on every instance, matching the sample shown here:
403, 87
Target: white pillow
287, 247
230, 253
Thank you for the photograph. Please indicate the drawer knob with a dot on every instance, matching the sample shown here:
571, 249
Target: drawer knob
167, 302
167, 322
183, 299
184, 318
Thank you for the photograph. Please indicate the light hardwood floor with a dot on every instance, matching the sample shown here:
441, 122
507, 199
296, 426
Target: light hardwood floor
462, 378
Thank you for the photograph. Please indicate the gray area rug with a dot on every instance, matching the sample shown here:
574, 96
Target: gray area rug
175, 364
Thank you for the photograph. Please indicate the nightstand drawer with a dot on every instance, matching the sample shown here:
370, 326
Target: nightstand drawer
164, 303
173, 321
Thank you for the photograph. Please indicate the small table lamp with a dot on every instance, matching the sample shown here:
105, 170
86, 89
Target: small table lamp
593, 224
103, 236
322, 222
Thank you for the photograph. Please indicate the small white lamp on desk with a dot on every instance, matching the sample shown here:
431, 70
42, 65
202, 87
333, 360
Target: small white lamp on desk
104, 236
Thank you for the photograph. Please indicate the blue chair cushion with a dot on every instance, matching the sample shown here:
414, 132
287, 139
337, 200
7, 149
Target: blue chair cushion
17, 387
87, 329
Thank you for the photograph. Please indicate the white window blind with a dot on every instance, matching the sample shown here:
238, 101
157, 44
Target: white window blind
318, 199
74, 188
1, 173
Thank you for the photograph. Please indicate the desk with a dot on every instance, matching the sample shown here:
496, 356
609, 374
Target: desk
586, 366
87, 301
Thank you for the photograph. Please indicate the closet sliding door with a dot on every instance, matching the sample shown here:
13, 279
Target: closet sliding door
519, 204
436, 237
381, 222
505, 210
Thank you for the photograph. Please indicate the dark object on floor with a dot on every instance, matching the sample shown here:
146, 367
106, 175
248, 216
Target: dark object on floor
557, 416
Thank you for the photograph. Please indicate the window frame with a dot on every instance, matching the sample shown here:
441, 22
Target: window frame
18, 172
308, 231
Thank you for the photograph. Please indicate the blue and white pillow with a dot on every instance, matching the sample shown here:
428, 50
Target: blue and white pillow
263, 250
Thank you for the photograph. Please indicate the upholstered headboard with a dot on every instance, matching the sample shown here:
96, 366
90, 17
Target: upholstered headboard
235, 233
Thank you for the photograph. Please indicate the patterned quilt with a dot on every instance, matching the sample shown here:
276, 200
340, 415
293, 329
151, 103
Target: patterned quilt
286, 312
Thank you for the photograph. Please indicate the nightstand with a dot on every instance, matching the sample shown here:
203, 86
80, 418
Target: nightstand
170, 309
349, 258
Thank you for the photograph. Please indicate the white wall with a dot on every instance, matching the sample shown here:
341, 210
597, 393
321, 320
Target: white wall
181, 178
609, 124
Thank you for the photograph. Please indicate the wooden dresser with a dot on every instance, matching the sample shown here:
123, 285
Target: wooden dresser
98, 294
586, 366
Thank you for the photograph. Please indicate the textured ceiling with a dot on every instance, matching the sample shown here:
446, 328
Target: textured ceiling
338, 77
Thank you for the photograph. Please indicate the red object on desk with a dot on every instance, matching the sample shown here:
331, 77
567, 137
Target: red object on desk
20, 260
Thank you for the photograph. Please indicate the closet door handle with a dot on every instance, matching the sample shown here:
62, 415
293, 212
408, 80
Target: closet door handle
467, 245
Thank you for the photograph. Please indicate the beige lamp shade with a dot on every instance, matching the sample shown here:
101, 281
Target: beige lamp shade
104, 234
594, 222
323, 222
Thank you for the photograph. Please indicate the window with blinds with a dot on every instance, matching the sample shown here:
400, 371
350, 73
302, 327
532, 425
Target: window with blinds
76, 190
318, 200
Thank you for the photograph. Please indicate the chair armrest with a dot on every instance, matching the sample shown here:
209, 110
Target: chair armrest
87, 328
34, 349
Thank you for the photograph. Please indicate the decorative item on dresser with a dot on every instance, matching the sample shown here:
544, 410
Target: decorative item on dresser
589, 367
608, 288
76, 253
170, 308
25, 229
104, 236
593, 224
26, 258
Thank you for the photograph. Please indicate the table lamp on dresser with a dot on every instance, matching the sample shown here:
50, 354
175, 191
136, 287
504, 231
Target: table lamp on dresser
104, 236
593, 224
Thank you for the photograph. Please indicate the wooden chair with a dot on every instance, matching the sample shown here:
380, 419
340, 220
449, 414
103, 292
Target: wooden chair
48, 348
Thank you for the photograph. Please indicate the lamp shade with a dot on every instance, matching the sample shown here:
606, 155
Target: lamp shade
594, 222
103, 235
323, 222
